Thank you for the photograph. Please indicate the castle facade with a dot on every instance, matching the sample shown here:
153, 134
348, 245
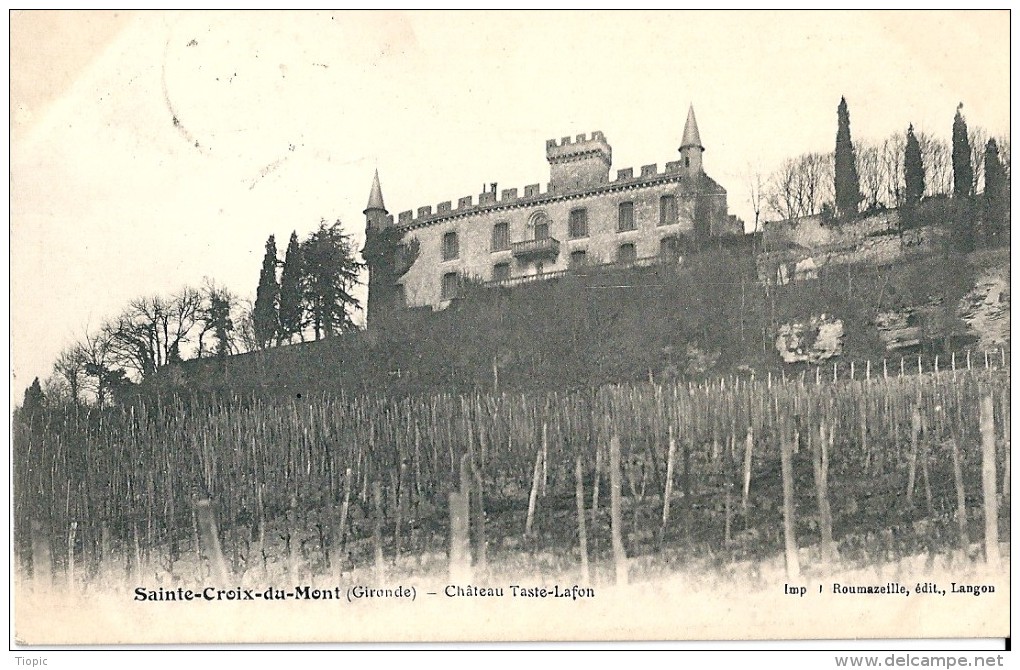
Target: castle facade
581, 219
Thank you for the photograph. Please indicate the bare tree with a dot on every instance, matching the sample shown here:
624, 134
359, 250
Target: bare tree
937, 156
245, 339
892, 152
100, 374
70, 369
756, 193
215, 318
817, 181
152, 332
801, 186
1003, 142
978, 138
871, 172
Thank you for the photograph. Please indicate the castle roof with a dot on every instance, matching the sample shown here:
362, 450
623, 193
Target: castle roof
692, 138
375, 200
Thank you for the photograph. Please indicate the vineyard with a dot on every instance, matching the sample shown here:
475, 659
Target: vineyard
854, 470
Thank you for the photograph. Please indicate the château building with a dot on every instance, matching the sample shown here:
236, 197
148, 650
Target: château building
582, 217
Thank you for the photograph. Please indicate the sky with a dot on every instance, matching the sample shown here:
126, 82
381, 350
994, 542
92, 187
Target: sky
152, 150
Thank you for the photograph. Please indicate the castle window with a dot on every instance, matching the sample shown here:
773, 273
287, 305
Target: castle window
501, 236
451, 246
578, 223
542, 229
667, 210
626, 217
578, 258
669, 250
626, 254
501, 272
451, 286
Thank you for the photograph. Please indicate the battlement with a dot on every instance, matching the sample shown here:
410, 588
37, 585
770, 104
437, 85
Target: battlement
580, 165
567, 149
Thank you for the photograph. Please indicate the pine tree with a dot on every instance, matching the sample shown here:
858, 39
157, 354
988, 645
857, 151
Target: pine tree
331, 272
34, 397
267, 298
913, 172
848, 187
291, 307
996, 207
963, 172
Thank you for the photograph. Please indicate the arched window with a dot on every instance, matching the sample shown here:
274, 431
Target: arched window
539, 222
451, 246
626, 254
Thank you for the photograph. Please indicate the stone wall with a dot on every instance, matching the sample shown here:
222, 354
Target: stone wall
476, 259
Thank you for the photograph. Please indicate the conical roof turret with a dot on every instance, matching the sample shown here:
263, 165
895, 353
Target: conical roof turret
692, 138
375, 199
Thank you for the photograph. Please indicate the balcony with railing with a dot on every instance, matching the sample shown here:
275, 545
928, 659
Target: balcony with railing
540, 248
645, 262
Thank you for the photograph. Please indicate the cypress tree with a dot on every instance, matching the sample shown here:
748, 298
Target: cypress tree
291, 295
913, 171
996, 208
848, 186
963, 172
265, 317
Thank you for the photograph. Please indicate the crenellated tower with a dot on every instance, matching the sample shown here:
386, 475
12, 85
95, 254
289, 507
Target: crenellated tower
582, 163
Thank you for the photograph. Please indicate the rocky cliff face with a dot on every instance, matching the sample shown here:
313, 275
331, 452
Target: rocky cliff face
985, 309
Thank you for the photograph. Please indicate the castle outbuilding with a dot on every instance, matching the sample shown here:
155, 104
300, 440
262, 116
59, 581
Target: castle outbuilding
582, 218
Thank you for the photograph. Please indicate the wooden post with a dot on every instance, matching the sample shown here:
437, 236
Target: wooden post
345, 508
988, 481
377, 525
915, 437
961, 497
748, 448
70, 556
668, 493
398, 540
545, 458
1006, 446
460, 541
481, 540
789, 532
42, 562
582, 530
533, 498
210, 540
616, 511
820, 460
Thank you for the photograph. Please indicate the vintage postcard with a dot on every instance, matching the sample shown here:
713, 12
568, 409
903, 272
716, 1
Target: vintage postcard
337, 327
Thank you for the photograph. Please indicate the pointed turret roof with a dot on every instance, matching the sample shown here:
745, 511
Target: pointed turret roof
691, 136
375, 200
